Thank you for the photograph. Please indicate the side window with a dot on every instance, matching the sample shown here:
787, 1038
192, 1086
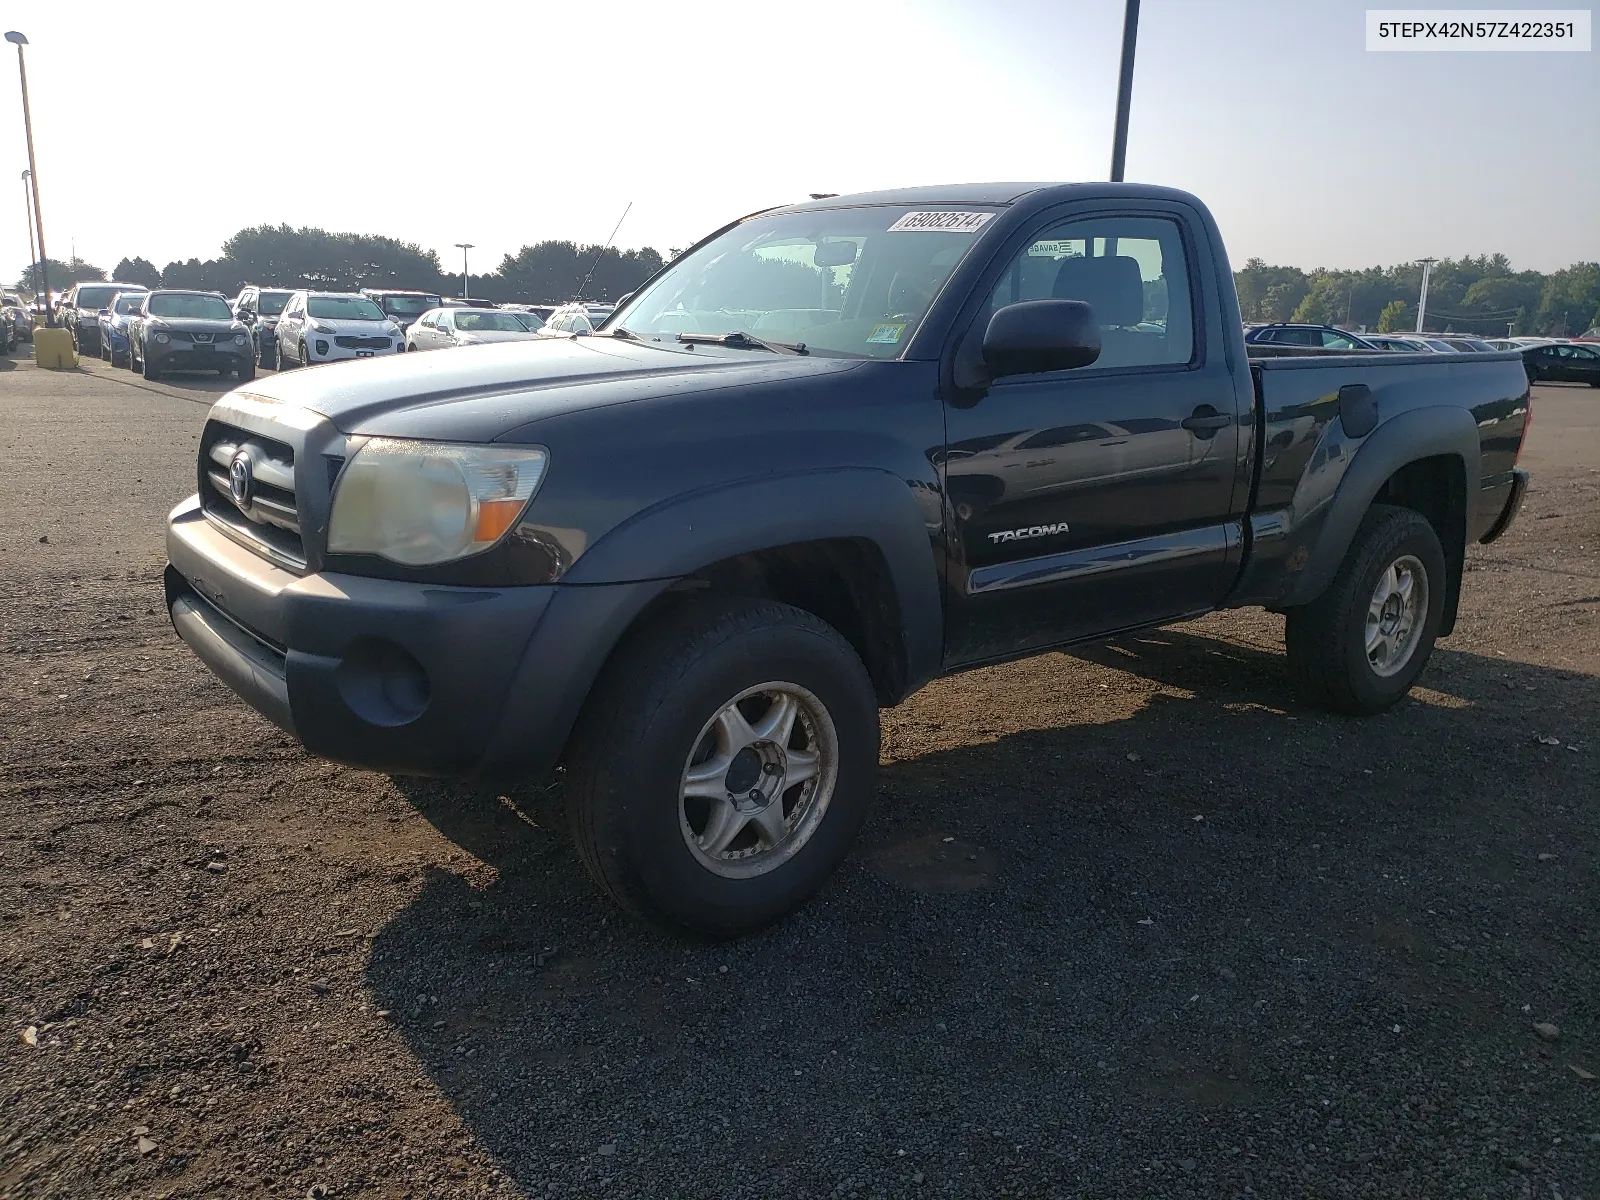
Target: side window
1132, 271
580, 324
1336, 341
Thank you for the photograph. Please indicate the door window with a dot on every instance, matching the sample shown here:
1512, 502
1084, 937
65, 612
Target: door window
1132, 271
1336, 341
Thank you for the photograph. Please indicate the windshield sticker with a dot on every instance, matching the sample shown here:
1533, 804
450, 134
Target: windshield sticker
886, 334
942, 222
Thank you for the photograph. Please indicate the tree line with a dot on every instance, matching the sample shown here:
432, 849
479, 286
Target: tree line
314, 258
1481, 295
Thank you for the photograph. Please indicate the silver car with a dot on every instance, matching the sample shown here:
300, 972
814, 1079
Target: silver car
441, 328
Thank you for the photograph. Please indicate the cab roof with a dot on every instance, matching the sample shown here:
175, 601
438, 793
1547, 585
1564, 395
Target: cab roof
999, 194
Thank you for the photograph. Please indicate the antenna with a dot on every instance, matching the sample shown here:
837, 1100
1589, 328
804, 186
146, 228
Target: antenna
603, 250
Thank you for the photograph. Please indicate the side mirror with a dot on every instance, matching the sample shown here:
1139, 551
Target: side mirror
1041, 335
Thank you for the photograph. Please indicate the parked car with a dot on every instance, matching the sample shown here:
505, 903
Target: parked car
402, 307
1288, 334
10, 332
1589, 335
1390, 341
177, 329
318, 327
568, 320
466, 302
80, 309
114, 324
1466, 344
259, 308
445, 327
1567, 362
691, 556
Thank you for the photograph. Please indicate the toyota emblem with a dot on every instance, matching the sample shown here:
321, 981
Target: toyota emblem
242, 479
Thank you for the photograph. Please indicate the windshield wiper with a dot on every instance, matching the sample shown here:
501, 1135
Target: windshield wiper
743, 341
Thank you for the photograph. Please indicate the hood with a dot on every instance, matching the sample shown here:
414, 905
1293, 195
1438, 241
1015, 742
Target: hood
195, 325
478, 337
501, 389
381, 328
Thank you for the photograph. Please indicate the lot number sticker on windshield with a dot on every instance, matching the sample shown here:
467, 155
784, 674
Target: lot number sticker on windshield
941, 222
889, 334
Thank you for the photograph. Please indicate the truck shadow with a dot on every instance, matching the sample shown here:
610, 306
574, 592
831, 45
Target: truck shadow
1112, 916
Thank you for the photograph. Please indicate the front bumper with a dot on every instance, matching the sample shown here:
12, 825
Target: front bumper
403, 677
185, 356
88, 337
323, 349
1519, 489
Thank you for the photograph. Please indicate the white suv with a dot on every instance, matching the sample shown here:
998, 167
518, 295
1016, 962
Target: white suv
319, 327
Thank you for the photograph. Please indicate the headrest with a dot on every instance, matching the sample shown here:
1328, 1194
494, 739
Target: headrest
1110, 285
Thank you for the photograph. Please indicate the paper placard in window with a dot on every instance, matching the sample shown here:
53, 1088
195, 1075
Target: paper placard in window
941, 222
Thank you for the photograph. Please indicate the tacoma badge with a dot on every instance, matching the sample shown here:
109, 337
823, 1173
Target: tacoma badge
1029, 531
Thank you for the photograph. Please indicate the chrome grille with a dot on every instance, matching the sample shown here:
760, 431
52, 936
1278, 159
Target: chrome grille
269, 518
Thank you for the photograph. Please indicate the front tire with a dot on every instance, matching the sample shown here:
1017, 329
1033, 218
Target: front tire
147, 368
1359, 646
723, 765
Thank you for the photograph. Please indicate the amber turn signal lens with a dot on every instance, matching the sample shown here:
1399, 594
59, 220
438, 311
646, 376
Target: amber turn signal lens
495, 517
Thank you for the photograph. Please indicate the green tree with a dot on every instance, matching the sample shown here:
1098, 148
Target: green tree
1569, 301
1395, 317
137, 270
60, 275
555, 271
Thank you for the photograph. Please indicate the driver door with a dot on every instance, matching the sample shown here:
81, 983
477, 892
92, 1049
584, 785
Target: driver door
1104, 497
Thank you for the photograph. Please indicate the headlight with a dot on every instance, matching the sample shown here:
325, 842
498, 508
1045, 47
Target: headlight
430, 502
162, 338
238, 339
321, 328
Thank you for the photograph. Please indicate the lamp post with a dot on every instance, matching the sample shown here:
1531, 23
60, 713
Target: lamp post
41, 276
27, 207
466, 288
1422, 300
1119, 138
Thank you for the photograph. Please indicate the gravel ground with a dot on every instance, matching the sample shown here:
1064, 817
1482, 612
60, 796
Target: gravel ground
1126, 922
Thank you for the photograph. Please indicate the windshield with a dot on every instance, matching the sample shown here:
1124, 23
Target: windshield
95, 297
270, 304
853, 282
128, 304
177, 304
470, 321
530, 320
409, 306
344, 308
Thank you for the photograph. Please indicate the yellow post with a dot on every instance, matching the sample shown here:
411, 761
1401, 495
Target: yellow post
52, 349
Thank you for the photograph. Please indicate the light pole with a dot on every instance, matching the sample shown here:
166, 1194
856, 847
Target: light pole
1119, 138
466, 288
1422, 301
27, 207
42, 275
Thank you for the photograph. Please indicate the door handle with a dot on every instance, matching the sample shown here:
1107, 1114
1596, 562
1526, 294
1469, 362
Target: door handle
1206, 419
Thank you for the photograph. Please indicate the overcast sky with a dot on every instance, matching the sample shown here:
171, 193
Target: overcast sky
162, 130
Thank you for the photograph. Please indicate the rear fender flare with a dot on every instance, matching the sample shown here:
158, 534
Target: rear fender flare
1404, 438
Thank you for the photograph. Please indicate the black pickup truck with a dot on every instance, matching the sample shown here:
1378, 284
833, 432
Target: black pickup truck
830, 453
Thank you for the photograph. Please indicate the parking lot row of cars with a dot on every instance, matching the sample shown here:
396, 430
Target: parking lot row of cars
153, 330
1570, 360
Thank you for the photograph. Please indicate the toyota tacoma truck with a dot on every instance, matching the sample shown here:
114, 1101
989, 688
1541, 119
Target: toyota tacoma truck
832, 452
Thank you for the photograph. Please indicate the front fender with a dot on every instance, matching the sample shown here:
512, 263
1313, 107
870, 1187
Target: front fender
680, 536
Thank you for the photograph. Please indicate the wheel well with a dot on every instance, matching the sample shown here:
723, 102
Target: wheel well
843, 581
1437, 488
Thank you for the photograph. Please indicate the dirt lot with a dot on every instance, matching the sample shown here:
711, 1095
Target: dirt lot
1129, 922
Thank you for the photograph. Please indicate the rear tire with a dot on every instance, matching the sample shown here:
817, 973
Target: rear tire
667, 705
1359, 646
